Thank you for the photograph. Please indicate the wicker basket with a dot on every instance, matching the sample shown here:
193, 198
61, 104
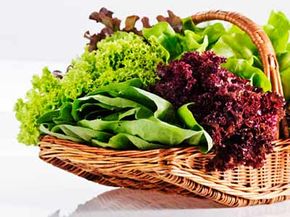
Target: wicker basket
182, 170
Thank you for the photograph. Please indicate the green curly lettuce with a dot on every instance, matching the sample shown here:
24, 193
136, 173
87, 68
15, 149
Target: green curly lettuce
119, 57
44, 96
125, 56
80, 78
48, 93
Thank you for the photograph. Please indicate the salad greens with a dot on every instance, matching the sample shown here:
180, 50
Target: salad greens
120, 57
116, 55
278, 31
125, 55
123, 116
233, 43
43, 97
244, 69
175, 43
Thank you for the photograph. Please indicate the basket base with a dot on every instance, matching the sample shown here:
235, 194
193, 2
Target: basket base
99, 168
116, 181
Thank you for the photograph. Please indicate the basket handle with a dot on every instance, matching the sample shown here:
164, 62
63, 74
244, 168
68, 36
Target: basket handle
260, 39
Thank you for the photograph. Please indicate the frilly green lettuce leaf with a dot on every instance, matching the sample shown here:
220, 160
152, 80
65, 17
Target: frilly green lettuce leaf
166, 36
285, 77
244, 69
278, 30
235, 43
176, 44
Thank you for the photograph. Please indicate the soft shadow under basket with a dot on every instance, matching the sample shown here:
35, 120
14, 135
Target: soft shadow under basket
182, 170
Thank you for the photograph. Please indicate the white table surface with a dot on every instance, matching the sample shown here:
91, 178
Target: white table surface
30, 187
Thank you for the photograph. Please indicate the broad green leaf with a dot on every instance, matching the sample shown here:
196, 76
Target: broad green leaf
58, 133
285, 77
193, 42
222, 48
242, 68
62, 115
83, 133
126, 140
166, 36
187, 117
202, 138
188, 24
204, 45
135, 113
75, 133
151, 130
193, 38
127, 90
278, 30
122, 117
164, 111
214, 32
234, 44
284, 60
48, 117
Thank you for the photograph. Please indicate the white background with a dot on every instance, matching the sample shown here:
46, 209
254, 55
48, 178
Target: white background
53, 29
37, 33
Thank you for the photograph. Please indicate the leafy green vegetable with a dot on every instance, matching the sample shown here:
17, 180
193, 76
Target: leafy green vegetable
123, 116
188, 119
166, 36
244, 69
242, 60
232, 43
176, 43
49, 93
119, 57
235, 42
81, 76
123, 56
74, 133
212, 31
126, 55
43, 97
150, 129
278, 30
285, 77
126, 141
284, 60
